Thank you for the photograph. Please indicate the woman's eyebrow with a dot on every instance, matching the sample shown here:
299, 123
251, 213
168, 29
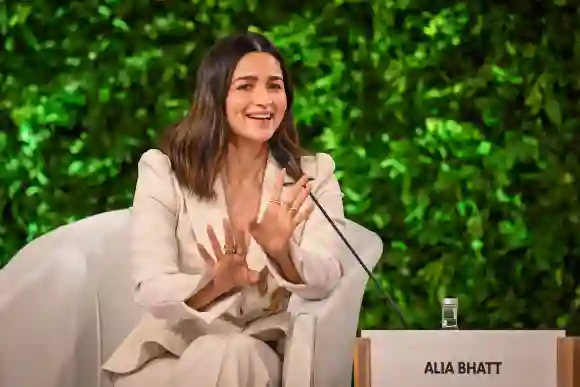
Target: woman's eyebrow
255, 78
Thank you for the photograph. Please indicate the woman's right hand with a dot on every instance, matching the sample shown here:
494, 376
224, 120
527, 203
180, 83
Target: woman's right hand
229, 268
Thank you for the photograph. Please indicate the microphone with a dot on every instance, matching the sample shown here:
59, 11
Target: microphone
283, 160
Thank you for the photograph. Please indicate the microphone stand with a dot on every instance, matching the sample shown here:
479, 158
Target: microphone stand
388, 297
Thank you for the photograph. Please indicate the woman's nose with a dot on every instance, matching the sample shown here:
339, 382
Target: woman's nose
261, 96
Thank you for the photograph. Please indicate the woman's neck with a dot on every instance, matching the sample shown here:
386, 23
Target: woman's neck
245, 163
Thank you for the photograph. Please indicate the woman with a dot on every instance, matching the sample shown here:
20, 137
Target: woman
223, 230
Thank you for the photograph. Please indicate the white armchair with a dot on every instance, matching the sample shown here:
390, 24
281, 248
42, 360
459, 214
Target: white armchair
66, 303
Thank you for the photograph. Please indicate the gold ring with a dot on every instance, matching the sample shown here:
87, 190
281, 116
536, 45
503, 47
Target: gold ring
230, 250
293, 210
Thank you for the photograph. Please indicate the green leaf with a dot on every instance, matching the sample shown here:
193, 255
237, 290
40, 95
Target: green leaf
552, 107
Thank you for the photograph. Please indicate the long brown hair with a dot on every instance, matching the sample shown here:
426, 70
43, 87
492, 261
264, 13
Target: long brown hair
197, 145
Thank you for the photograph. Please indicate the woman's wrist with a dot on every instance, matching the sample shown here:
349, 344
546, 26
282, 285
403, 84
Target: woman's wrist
281, 256
223, 289
285, 265
209, 295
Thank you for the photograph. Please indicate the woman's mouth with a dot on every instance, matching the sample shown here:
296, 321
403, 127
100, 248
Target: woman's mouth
260, 116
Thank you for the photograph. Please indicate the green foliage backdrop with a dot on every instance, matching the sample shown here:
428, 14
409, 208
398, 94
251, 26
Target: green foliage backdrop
453, 125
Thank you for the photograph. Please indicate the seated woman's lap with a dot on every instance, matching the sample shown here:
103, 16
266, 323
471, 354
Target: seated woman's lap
232, 360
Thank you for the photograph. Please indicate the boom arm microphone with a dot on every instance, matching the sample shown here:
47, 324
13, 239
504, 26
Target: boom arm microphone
283, 160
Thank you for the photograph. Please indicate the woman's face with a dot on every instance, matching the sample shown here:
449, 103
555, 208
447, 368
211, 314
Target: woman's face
256, 101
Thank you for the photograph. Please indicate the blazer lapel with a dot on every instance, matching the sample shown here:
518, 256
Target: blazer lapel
204, 213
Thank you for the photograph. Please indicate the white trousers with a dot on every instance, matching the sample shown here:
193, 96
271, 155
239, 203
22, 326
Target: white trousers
229, 360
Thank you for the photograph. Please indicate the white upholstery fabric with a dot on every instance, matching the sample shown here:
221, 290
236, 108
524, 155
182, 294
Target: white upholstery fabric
66, 304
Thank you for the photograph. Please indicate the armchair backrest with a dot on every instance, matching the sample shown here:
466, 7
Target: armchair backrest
50, 306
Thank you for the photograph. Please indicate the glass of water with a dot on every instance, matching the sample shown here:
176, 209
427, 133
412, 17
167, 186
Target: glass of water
449, 308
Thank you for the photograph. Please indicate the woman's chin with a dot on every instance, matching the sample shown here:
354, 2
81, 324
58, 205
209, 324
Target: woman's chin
261, 135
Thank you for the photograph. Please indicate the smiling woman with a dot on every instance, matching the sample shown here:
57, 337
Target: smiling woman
257, 101
232, 179
256, 94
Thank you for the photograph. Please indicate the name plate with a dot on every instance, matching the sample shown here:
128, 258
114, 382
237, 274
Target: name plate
456, 358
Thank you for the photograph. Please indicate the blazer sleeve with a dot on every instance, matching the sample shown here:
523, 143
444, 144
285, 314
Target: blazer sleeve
315, 256
160, 286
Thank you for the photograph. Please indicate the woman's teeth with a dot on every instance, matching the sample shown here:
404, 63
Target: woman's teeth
261, 116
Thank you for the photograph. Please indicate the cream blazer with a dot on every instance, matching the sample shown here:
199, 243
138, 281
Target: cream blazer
167, 222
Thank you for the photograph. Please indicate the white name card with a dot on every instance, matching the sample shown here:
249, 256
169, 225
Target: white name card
456, 358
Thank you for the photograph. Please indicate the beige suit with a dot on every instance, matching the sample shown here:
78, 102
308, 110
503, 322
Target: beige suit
175, 345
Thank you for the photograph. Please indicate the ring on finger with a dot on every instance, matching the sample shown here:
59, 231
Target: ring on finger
293, 211
230, 250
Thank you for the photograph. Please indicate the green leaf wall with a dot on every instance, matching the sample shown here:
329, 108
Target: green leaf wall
454, 126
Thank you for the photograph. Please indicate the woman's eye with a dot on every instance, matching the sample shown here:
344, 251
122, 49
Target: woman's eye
245, 86
275, 86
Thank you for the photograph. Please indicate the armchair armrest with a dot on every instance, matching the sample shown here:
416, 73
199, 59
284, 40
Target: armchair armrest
330, 325
299, 352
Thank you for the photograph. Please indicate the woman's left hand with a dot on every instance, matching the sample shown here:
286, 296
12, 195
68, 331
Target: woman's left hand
280, 218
